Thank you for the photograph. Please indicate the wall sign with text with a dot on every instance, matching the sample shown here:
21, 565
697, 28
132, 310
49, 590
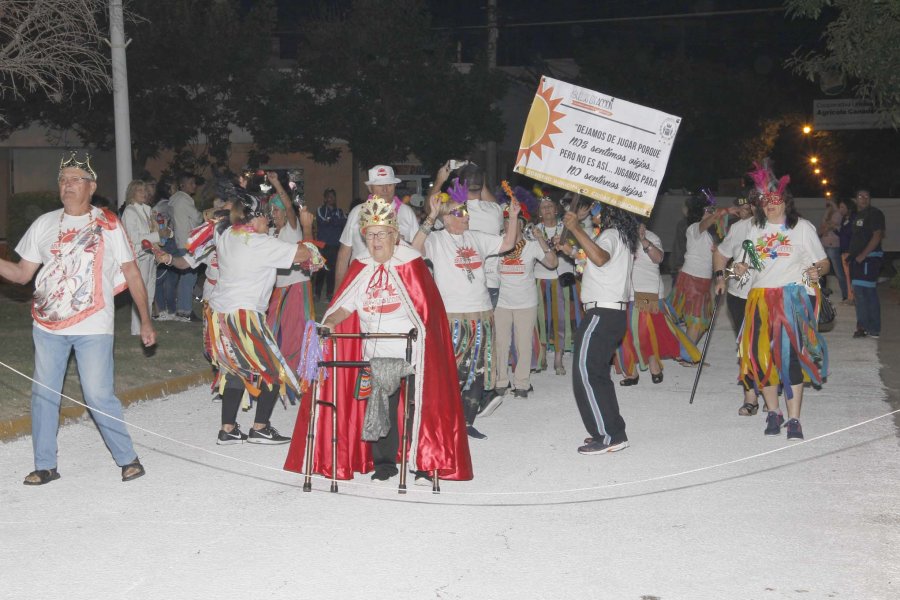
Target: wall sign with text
596, 145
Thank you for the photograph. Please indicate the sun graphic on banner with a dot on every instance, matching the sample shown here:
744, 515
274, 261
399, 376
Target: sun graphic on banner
541, 124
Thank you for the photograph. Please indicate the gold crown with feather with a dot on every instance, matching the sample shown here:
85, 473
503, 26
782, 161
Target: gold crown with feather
377, 211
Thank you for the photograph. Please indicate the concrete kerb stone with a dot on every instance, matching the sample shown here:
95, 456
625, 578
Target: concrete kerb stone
13, 428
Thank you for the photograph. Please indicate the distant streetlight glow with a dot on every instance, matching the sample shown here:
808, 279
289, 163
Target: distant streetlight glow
813, 159
827, 194
817, 170
824, 182
807, 129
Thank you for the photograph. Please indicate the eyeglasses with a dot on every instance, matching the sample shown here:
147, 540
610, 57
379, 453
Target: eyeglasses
73, 180
381, 235
462, 211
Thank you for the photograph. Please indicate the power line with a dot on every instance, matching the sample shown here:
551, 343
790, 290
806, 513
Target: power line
720, 13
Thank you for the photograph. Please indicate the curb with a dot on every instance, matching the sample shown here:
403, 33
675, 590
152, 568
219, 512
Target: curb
13, 428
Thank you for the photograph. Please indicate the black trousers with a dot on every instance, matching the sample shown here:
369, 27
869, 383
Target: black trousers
231, 401
384, 450
596, 341
326, 276
736, 308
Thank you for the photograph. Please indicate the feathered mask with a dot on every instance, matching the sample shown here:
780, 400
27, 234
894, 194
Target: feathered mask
528, 201
771, 190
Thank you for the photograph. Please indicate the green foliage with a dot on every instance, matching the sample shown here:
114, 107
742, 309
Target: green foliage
382, 81
860, 43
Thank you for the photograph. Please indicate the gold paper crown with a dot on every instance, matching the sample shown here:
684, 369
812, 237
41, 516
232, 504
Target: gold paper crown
377, 211
74, 163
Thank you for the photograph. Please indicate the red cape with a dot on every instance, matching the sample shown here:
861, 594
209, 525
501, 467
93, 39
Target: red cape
440, 442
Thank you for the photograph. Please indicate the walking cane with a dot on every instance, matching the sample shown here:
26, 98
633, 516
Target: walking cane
712, 323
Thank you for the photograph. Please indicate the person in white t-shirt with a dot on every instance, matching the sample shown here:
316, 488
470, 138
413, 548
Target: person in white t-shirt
457, 257
605, 289
732, 248
652, 335
87, 259
291, 304
516, 311
382, 183
557, 292
236, 337
690, 299
141, 226
779, 342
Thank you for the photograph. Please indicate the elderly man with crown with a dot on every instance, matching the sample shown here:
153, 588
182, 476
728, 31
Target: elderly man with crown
87, 259
390, 290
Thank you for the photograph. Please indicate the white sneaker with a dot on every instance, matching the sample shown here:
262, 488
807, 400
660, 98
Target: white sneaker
164, 316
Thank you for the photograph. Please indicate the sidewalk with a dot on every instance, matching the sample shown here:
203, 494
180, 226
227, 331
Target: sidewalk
701, 506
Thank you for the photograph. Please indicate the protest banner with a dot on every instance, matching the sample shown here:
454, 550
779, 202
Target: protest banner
596, 145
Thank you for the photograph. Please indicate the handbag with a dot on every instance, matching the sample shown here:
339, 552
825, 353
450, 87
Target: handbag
567, 279
646, 302
826, 314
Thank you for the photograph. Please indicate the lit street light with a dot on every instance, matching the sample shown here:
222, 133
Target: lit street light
807, 129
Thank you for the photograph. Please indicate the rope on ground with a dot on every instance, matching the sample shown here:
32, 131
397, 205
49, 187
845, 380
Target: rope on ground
424, 490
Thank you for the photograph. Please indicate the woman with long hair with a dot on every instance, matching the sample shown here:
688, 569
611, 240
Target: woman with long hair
779, 344
140, 225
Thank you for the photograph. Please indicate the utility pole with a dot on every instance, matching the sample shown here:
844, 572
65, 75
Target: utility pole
117, 45
493, 34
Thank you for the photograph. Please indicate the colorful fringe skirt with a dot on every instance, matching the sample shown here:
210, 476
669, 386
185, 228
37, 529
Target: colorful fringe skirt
559, 314
652, 334
289, 309
691, 301
240, 344
472, 335
779, 342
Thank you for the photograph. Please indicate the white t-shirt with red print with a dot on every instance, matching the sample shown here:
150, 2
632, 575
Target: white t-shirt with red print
785, 253
698, 257
644, 272
458, 263
517, 289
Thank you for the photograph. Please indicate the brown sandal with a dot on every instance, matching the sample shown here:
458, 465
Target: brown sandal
41, 476
132, 470
748, 410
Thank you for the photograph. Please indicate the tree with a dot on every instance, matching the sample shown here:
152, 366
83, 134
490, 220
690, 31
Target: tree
191, 65
860, 44
382, 80
51, 47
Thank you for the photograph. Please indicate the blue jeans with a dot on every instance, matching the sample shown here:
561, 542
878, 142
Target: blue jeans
868, 308
184, 301
94, 357
166, 284
837, 267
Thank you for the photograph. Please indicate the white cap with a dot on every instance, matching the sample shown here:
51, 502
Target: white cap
381, 175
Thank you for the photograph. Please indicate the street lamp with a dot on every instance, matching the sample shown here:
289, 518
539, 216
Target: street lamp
824, 182
817, 170
813, 159
807, 130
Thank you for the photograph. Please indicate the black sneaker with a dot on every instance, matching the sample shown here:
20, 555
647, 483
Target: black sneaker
598, 447
267, 435
860, 333
490, 406
474, 433
794, 431
235, 436
520, 393
423, 479
774, 421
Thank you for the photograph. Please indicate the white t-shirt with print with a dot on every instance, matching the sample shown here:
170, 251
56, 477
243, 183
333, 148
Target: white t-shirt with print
293, 275
380, 308
247, 268
517, 289
352, 236
450, 255
732, 247
39, 245
612, 281
698, 257
785, 253
645, 273
487, 216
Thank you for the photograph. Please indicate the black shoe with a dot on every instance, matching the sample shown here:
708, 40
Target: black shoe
774, 421
384, 472
520, 393
423, 478
493, 404
630, 381
133, 470
267, 435
474, 433
794, 431
657, 378
598, 447
860, 333
235, 436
